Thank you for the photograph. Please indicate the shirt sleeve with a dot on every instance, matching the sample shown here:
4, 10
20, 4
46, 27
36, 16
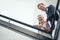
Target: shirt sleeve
47, 25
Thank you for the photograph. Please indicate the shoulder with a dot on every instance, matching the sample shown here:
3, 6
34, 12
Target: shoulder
51, 6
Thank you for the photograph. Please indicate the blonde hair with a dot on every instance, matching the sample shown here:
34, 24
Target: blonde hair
40, 16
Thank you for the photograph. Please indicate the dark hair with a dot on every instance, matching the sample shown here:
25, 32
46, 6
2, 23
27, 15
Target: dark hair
39, 4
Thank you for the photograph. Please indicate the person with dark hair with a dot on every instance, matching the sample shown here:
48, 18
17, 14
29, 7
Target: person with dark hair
51, 14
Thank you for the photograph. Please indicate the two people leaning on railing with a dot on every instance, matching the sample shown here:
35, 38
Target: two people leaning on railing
52, 15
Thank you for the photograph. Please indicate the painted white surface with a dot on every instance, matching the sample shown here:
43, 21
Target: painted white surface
6, 34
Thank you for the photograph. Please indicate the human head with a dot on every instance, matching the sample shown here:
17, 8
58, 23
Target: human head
41, 6
40, 18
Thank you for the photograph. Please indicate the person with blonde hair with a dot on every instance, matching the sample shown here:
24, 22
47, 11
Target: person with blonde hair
42, 24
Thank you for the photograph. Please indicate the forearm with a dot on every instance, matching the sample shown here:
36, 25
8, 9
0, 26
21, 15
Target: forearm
45, 28
48, 29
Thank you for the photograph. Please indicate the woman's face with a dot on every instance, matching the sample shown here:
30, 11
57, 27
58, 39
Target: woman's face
40, 19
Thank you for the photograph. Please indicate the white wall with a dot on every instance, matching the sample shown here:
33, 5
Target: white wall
6, 34
22, 10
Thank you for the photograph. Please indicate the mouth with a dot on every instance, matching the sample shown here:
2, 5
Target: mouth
40, 19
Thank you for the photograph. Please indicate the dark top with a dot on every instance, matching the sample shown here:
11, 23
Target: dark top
50, 13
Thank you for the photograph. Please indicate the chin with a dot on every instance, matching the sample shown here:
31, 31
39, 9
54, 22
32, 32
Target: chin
43, 10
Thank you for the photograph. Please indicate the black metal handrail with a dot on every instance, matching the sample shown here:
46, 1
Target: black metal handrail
23, 23
57, 5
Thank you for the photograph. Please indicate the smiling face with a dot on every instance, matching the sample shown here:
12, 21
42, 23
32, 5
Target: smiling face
40, 18
41, 6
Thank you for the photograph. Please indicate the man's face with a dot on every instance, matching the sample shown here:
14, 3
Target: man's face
42, 7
